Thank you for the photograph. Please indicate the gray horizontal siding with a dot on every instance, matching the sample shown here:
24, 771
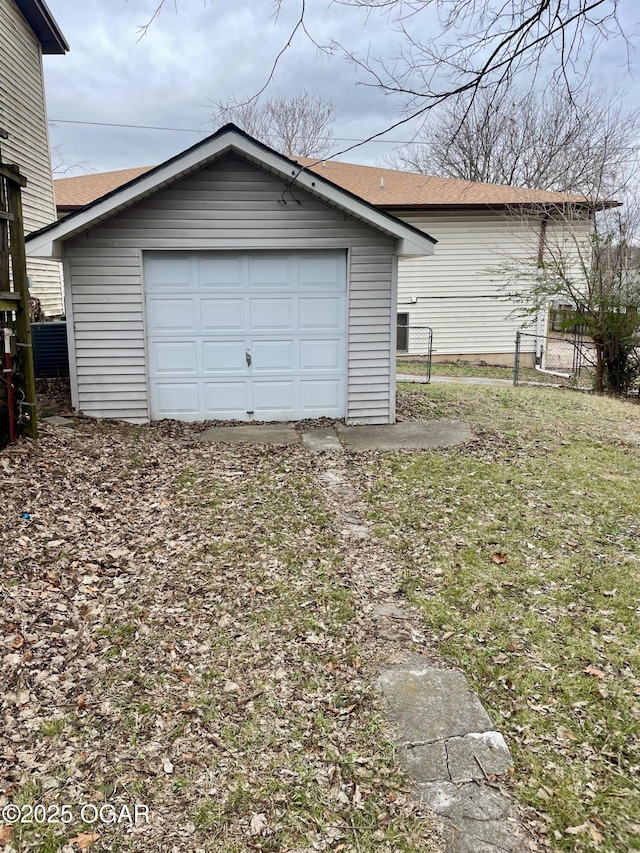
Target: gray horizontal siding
229, 205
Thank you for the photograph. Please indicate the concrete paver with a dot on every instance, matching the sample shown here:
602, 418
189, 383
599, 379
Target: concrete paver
59, 421
429, 704
475, 754
447, 743
479, 818
322, 440
425, 763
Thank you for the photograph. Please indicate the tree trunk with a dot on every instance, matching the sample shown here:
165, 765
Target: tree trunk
598, 384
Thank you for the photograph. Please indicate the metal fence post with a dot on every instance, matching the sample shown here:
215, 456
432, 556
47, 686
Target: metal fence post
429, 352
516, 361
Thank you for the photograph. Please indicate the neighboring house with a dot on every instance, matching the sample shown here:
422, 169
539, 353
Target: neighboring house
479, 228
229, 284
28, 30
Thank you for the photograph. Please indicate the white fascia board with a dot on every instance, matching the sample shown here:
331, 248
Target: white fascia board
414, 247
44, 247
48, 244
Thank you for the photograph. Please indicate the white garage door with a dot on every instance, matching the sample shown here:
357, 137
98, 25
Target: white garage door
246, 336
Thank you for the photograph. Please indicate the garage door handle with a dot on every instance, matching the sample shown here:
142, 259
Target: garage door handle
247, 355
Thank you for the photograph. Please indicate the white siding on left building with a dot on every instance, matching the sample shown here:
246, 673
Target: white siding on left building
23, 116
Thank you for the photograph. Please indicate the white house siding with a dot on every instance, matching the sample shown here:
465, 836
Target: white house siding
23, 116
460, 289
229, 205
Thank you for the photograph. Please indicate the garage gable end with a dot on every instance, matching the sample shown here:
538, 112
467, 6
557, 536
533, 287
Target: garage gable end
47, 241
213, 299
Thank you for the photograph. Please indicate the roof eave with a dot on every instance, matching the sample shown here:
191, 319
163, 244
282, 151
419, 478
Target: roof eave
512, 205
43, 24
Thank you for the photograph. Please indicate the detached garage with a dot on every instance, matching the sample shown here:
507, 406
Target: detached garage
229, 283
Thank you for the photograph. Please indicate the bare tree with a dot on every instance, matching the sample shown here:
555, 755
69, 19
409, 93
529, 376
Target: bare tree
61, 167
587, 260
301, 125
596, 277
448, 47
528, 139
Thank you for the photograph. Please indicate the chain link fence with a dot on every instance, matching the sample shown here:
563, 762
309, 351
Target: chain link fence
414, 349
562, 360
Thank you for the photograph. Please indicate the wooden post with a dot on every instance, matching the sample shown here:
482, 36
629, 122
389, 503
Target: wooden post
4, 228
18, 257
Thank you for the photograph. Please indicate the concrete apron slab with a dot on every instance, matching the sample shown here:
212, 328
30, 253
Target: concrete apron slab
407, 435
447, 743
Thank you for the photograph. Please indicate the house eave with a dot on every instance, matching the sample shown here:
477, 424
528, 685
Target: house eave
546, 206
43, 24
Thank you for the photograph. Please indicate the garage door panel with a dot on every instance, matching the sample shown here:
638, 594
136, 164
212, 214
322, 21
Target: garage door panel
172, 315
177, 399
169, 270
320, 314
177, 357
222, 315
273, 396
272, 355
271, 315
224, 356
320, 395
222, 272
321, 355
271, 271
226, 399
321, 272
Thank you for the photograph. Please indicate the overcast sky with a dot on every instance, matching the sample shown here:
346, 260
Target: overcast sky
204, 51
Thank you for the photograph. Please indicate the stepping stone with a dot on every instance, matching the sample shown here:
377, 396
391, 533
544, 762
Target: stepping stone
59, 421
449, 746
322, 440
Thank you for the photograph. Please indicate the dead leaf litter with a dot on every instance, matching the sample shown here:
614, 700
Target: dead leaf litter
185, 628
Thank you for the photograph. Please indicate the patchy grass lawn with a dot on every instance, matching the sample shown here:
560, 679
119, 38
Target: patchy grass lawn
178, 631
466, 371
526, 374
523, 551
